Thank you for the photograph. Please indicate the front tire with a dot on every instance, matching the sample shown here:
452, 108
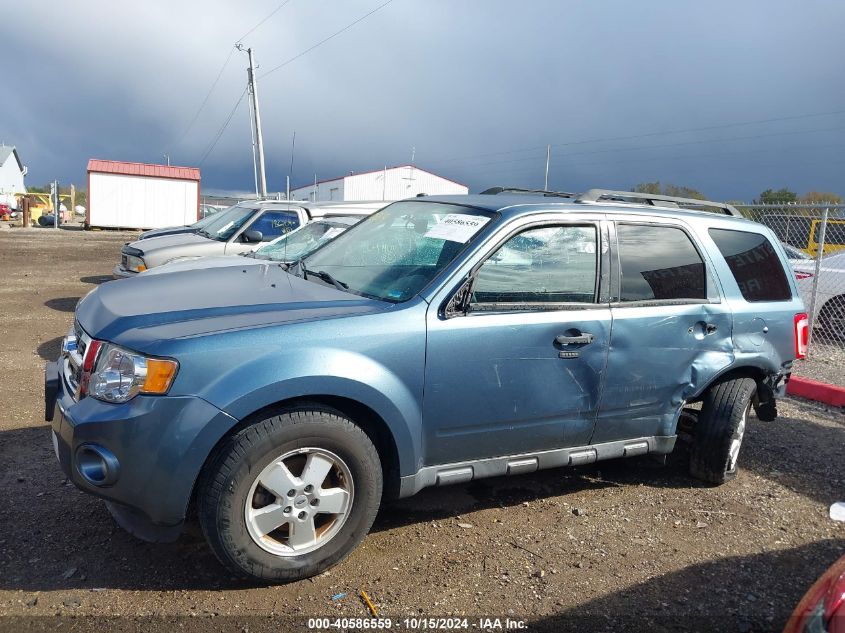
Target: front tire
290, 496
720, 430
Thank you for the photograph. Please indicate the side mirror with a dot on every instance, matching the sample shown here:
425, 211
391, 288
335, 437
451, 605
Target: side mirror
252, 236
458, 305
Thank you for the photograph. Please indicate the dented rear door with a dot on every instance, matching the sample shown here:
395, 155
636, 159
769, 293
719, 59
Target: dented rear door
671, 329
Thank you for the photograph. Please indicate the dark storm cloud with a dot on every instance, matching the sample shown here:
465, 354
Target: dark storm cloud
478, 88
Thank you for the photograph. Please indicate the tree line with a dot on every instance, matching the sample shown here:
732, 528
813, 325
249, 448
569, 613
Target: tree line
783, 195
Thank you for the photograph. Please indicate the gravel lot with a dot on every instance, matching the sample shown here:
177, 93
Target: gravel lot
623, 545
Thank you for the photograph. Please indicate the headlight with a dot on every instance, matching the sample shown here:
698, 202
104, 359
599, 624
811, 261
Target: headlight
135, 263
120, 375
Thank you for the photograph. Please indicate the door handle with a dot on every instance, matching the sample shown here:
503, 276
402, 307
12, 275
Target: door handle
582, 339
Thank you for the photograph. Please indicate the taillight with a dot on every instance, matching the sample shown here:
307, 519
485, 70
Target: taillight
835, 599
802, 335
88, 364
802, 275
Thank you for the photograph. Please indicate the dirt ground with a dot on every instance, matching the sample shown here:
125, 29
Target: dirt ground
622, 545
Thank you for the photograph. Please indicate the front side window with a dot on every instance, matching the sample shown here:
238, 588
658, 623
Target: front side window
272, 224
754, 263
396, 252
545, 265
659, 263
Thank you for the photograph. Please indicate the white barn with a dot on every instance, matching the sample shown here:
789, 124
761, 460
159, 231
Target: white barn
140, 195
12, 172
390, 183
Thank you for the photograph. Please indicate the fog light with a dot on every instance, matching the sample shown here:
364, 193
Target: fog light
97, 465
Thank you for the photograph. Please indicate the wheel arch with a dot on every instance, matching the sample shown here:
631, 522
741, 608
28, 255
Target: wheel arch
362, 415
756, 372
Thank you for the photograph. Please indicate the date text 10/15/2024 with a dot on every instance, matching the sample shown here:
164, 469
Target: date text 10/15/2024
418, 624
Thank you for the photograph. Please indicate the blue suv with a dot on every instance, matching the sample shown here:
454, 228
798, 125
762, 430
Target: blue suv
441, 340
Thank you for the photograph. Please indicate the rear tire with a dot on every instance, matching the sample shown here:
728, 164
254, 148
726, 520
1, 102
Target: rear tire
720, 430
290, 496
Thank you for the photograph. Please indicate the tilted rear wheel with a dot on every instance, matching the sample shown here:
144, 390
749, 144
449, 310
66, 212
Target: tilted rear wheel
290, 496
720, 430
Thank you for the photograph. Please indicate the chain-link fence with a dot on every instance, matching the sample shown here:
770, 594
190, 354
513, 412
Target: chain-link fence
814, 238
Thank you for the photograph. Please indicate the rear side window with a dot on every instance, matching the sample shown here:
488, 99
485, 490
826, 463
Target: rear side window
659, 263
754, 263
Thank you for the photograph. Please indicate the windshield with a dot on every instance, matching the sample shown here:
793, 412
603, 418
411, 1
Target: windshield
300, 242
225, 224
208, 219
394, 253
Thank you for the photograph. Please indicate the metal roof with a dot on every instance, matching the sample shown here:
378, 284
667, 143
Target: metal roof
8, 150
375, 171
96, 165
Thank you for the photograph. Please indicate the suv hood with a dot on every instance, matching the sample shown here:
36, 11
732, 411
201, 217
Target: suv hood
170, 230
152, 244
147, 309
203, 263
159, 250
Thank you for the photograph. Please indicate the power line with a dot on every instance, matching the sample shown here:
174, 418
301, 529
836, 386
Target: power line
263, 20
660, 146
220, 74
213, 144
323, 41
649, 134
788, 151
204, 101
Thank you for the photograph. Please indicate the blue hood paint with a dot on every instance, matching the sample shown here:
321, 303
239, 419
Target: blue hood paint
147, 309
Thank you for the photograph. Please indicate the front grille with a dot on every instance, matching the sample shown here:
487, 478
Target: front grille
124, 262
72, 359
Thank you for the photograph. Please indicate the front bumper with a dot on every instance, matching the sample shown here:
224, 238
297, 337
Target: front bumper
159, 445
120, 272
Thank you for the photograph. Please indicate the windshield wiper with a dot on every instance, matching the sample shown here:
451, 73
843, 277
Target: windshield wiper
205, 233
299, 266
322, 274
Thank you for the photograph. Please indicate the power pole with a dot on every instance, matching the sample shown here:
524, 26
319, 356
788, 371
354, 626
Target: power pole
256, 117
54, 190
548, 160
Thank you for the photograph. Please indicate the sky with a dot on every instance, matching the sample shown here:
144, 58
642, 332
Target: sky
728, 97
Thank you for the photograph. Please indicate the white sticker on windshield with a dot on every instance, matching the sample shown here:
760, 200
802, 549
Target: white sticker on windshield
332, 233
457, 227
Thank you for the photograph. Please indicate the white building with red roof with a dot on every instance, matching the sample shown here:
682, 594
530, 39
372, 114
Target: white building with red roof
141, 195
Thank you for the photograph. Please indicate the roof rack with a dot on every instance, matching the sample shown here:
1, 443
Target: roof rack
594, 195
492, 191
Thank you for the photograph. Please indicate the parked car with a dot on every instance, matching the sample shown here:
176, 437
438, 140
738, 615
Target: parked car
829, 307
285, 404
196, 227
795, 255
239, 229
285, 249
822, 609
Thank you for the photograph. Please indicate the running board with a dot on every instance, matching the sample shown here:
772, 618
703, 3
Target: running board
461, 472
